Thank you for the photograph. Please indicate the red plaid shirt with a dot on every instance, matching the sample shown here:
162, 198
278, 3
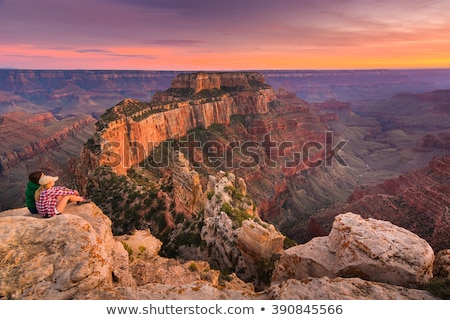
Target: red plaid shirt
49, 199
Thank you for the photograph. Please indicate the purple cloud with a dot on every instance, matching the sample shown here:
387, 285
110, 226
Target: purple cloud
176, 43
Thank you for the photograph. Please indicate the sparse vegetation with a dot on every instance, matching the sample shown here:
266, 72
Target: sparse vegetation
226, 207
439, 287
127, 248
193, 267
210, 194
288, 242
265, 269
237, 215
131, 202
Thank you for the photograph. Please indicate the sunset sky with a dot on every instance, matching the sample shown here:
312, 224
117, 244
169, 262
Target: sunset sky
224, 35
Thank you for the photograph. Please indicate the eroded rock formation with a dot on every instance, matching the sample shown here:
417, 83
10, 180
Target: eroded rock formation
237, 239
128, 132
366, 248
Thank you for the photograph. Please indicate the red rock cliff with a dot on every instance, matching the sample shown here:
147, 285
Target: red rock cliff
128, 132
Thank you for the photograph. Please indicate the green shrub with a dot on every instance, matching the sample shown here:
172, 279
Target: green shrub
240, 215
142, 249
230, 190
210, 194
193, 267
226, 207
236, 214
187, 239
288, 242
439, 287
128, 248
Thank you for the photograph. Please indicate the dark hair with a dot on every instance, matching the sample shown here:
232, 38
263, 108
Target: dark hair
35, 176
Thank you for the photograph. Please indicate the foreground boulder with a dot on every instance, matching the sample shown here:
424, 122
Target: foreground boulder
365, 248
58, 258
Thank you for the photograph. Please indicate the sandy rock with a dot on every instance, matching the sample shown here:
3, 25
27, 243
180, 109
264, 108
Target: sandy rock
312, 259
379, 251
55, 258
342, 289
366, 248
441, 266
75, 256
141, 242
261, 240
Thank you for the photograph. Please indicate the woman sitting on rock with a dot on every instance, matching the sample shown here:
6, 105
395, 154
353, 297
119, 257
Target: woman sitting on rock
51, 200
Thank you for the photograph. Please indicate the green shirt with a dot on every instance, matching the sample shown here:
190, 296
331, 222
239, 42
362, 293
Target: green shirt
29, 194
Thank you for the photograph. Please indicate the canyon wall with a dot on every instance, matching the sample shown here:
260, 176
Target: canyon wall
25, 136
129, 131
76, 92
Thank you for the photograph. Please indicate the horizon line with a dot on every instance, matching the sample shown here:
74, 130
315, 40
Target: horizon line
224, 70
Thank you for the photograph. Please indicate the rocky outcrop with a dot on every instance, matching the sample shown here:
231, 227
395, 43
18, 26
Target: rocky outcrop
75, 256
366, 248
61, 258
128, 132
237, 239
227, 81
188, 193
25, 136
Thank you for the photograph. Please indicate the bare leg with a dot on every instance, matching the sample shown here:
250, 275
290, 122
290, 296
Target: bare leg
62, 201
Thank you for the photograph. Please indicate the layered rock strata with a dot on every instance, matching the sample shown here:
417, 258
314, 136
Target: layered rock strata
25, 135
128, 132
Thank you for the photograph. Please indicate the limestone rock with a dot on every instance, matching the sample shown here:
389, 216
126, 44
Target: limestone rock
382, 251
342, 289
366, 248
312, 259
259, 239
57, 258
189, 197
141, 242
441, 266
192, 291
236, 237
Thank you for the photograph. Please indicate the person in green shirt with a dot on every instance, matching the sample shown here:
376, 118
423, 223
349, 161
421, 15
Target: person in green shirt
30, 190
